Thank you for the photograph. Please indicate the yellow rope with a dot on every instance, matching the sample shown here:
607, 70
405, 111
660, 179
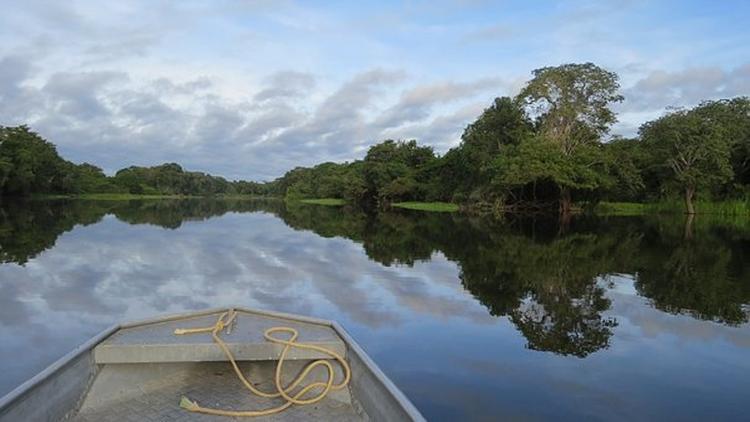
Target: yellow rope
281, 391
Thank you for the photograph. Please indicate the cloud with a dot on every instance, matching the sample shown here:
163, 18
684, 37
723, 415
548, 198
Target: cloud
686, 87
498, 32
16, 99
444, 131
77, 95
13, 71
113, 120
417, 103
251, 90
344, 107
336, 125
286, 84
651, 96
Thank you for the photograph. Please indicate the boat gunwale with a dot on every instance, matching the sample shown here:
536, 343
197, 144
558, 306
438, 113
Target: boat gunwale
379, 375
89, 345
55, 367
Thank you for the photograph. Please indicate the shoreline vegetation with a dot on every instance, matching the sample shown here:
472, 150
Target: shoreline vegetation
428, 206
725, 208
330, 202
548, 149
736, 208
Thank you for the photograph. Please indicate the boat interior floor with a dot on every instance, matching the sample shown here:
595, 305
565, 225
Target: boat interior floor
152, 391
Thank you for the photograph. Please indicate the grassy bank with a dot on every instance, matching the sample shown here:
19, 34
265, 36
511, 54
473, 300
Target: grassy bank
621, 208
428, 206
734, 207
331, 202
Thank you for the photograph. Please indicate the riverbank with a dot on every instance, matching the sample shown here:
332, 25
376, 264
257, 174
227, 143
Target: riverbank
717, 208
413, 205
727, 208
428, 206
331, 202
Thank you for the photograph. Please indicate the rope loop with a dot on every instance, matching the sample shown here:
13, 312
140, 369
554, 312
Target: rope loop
224, 321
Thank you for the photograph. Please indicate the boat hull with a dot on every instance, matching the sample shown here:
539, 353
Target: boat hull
78, 387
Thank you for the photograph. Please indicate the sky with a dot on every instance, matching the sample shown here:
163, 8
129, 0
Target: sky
251, 89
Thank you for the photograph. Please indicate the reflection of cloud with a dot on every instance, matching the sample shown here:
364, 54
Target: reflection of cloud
92, 278
409, 317
13, 310
638, 319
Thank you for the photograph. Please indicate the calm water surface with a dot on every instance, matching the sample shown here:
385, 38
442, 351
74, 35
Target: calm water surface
608, 318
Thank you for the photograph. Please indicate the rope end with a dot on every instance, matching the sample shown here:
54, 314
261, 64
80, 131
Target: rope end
188, 404
180, 331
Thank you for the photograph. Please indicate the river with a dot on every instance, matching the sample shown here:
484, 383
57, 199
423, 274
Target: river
600, 318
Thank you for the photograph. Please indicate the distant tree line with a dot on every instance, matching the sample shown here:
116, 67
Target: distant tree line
30, 164
546, 148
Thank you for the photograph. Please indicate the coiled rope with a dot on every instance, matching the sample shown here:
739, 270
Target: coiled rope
225, 319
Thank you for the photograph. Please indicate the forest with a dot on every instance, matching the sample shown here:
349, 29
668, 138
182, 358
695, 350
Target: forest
548, 148
30, 165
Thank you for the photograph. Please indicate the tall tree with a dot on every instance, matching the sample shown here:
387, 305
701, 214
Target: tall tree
502, 124
733, 117
391, 169
30, 164
570, 104
694, 147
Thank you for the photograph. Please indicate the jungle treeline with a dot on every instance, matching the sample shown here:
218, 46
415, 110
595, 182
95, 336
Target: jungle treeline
29, 165
549, 147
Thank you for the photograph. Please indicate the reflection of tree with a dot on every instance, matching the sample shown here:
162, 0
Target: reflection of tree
547, 287
556, 303
388, 238
548, 282
565, 323
172, 213
29, 227
701, 276
323, 220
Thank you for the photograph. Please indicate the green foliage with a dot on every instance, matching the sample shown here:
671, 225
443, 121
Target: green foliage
327, 180
324, 201
694, 147
624, 164
428, 206
571, 103
29, 164
732, 116
169, 179
729, 207
502, 125
395, 171
543, 149
620, 208
536, 159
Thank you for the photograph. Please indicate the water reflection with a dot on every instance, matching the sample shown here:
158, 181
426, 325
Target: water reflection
549, 283
546, 282
395, 278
